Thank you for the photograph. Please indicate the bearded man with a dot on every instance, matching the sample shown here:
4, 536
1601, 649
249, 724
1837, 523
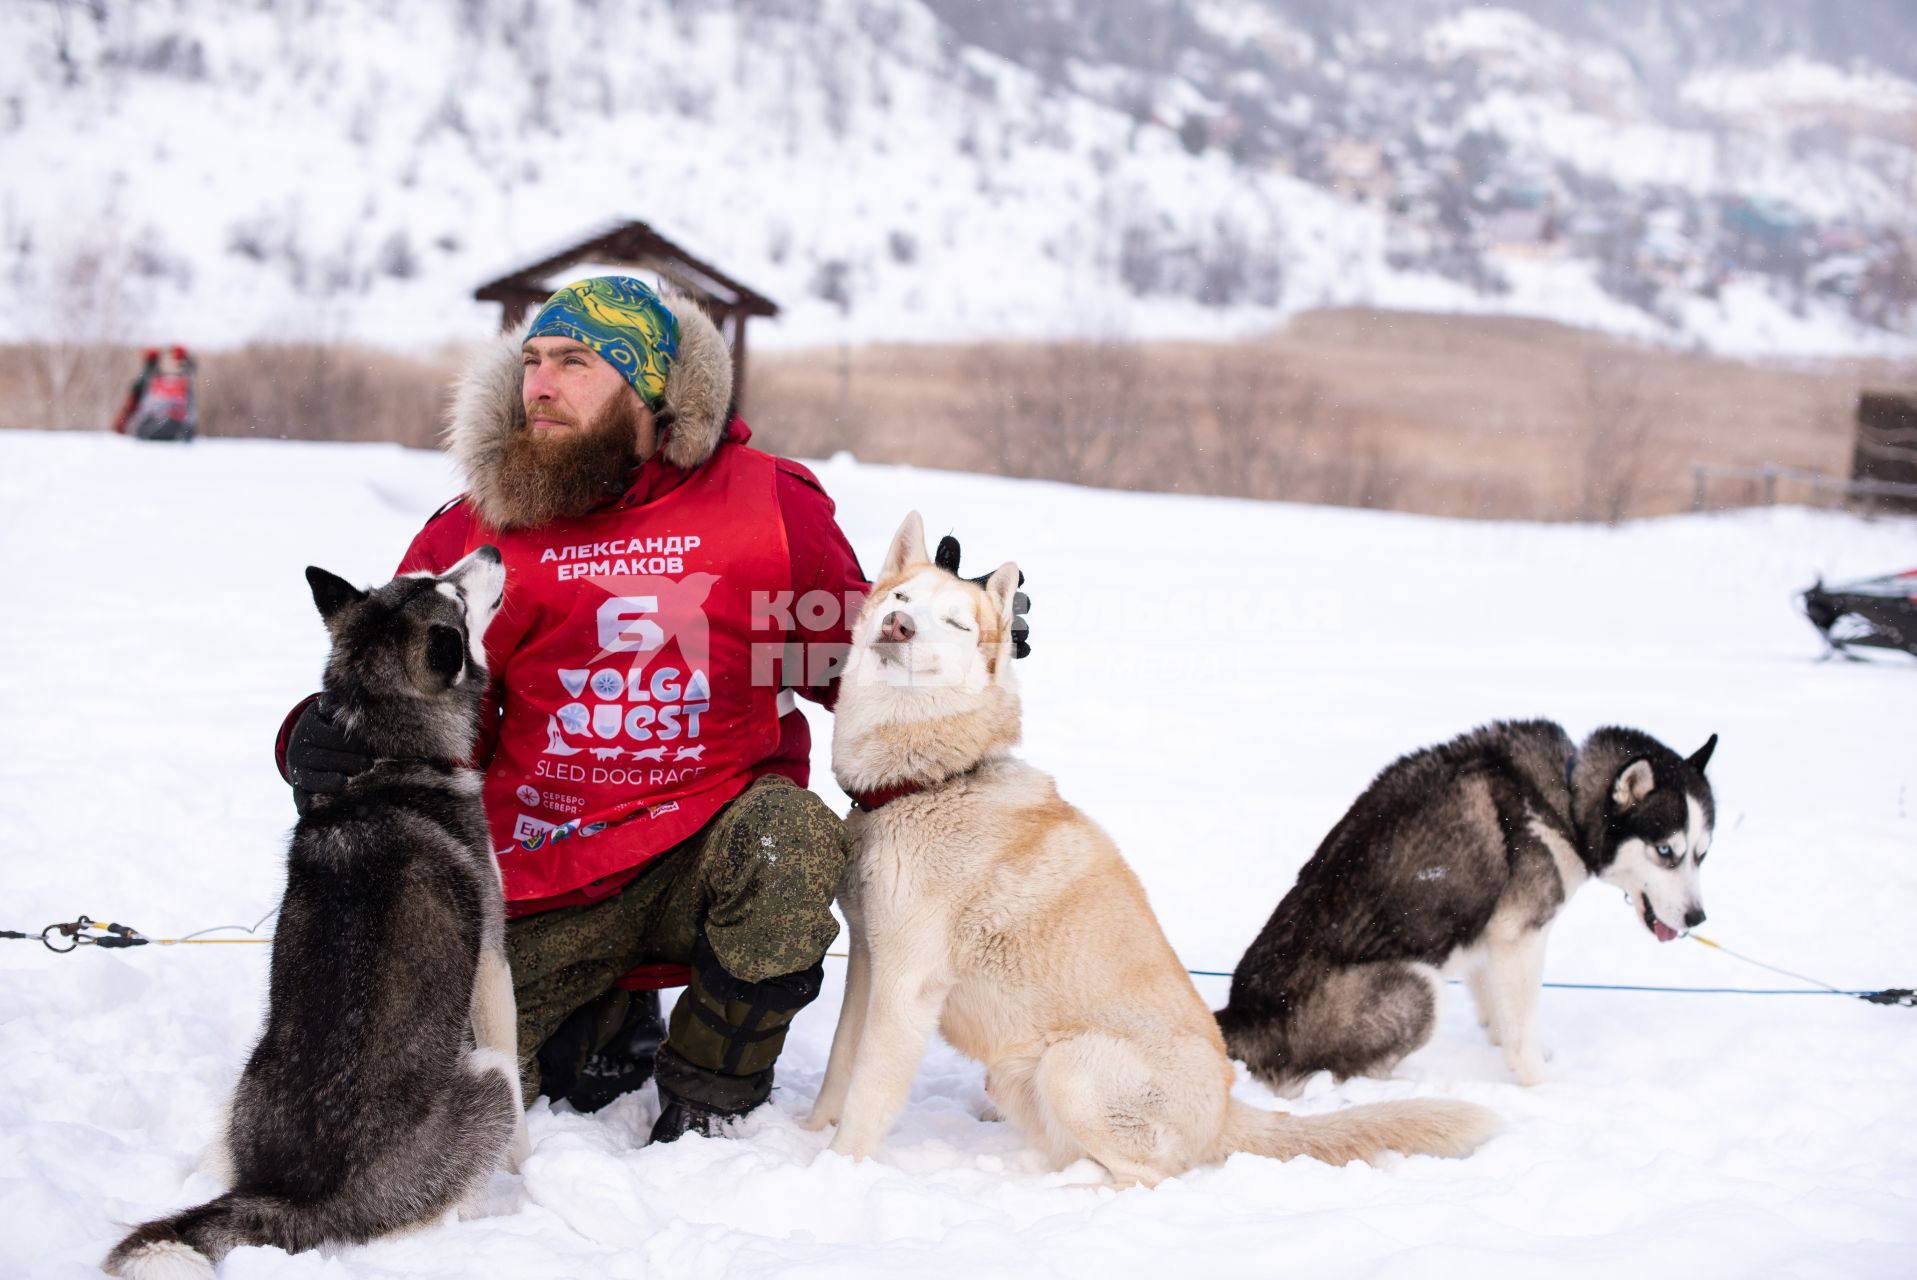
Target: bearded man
644, 770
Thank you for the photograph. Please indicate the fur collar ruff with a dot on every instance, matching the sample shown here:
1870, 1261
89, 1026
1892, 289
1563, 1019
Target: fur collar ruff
882, 751
488, 407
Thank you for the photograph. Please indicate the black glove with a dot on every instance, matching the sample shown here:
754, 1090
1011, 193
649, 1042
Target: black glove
947, 559
320, 756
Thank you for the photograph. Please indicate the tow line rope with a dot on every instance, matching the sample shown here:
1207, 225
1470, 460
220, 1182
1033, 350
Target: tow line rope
87, 932
1905, 996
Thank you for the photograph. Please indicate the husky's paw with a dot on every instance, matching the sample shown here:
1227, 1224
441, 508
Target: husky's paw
520, 1149
853, 1146
990, 1114
496, 1197
1291, 1088
1529, 1072
818, 1120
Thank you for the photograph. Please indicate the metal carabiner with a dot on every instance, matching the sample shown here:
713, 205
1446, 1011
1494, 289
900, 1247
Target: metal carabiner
72, 932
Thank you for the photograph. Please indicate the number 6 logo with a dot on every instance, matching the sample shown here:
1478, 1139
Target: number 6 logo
624, 628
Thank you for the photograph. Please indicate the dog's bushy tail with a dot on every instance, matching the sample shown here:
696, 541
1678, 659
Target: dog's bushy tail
1422, 1127
186, 1245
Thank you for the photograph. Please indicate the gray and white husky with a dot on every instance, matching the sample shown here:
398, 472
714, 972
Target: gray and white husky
385, 1086
1461, 855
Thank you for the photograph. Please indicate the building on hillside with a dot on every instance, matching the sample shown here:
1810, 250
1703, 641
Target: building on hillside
1357, 169
634, 247
1518, 230
1761, 219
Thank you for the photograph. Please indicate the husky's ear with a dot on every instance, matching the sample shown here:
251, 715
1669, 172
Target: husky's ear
1703, 755
330, 591
1633, 784
445, 652
908, 547
1002, 586
1002, 589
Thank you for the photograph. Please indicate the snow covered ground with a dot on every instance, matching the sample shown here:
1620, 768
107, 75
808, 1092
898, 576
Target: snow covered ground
1214, 681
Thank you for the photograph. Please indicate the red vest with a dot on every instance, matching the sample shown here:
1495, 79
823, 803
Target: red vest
624, 654
166, 396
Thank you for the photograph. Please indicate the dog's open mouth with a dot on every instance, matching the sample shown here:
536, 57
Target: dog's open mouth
1663, 931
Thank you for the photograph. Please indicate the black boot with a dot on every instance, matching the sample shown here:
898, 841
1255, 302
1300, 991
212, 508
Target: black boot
725, 1036
694, 1100
604, 1051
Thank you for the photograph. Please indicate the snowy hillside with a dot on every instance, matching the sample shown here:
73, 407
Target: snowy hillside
218, 171
1214, 681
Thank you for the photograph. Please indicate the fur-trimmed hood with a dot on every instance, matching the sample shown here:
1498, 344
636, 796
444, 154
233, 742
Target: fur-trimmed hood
488, 406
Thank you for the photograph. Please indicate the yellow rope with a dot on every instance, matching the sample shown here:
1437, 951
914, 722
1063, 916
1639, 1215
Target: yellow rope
191, 940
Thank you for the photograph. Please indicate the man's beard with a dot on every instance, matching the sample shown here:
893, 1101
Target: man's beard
549, 474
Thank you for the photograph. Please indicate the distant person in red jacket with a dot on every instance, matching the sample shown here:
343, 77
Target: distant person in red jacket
168, 407
669, 589
149, 365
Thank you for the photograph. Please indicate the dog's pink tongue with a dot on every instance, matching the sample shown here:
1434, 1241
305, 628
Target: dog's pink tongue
1663, 931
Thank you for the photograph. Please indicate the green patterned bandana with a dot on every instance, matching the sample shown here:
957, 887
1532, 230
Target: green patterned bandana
623, 322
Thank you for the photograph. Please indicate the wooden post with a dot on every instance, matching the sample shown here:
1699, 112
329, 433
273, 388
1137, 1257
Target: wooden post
1697, 487
739, 357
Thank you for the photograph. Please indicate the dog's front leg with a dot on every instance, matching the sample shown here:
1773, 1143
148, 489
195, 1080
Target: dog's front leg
495, 1015
496, 1026
899, 1020
830, 1104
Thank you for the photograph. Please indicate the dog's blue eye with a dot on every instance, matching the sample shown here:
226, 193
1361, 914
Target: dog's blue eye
1664, 851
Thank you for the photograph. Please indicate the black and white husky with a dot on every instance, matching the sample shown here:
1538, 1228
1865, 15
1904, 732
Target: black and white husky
1461, 855
385, 1086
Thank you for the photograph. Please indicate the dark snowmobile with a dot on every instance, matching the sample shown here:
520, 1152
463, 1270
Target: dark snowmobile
1877, 613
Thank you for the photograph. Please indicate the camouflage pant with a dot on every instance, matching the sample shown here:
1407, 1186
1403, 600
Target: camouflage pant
758, 879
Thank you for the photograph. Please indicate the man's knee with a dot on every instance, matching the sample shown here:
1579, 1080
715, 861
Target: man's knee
779, 856
783, 838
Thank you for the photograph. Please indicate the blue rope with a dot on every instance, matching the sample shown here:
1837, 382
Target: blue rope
1710, 991
1617, 986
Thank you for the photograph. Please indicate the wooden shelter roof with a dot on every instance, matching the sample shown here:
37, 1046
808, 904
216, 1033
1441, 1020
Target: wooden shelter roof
637, 244
634, 244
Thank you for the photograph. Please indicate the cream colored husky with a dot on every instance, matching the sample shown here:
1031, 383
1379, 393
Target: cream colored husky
985, 906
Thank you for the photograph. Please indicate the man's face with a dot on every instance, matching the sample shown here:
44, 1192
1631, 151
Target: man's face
586, 428
567, 387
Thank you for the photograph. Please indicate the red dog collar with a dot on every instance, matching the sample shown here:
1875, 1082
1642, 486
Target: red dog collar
869, 801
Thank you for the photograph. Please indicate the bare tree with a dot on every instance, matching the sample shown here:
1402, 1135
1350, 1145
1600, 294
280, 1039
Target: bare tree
79, 360
1063, 411
1617, 419
322, 391
1260, 411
